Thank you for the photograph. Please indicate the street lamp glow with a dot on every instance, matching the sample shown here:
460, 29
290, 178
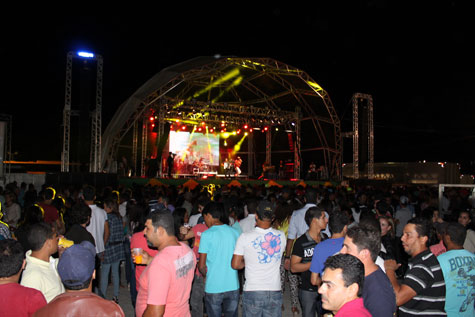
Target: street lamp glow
86, 54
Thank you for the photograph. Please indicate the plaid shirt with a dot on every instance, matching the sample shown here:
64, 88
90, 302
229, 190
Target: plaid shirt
114, 248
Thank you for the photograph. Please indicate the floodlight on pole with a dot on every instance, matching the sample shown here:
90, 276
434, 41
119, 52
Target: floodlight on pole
86, 54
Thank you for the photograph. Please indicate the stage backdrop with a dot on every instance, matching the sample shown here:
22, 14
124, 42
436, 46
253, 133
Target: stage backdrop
194, 150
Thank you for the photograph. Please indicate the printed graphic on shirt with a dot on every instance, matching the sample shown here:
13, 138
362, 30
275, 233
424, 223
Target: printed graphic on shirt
183, 265
269, 247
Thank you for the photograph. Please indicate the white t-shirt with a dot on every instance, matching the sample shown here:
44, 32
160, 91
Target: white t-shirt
249, 223
262, 250
123, 209
96, 226
194, 220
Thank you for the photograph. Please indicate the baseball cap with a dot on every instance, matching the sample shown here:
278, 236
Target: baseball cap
264, 207
76, 264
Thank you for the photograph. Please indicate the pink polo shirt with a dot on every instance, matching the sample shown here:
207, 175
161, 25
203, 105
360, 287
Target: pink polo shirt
355, 308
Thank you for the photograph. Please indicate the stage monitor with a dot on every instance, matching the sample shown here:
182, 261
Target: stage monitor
194, 150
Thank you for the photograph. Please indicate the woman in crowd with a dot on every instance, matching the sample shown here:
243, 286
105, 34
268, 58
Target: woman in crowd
466, 220
114, 251
283, 212
387, 238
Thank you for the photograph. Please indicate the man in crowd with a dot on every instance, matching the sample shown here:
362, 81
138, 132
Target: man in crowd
165, 284
458, 268
378, 294
81, 215
297, 224
216, 252
342, 286
41, 268
16, 300
260, 251
98, 227
247, 224
301, 259
423, 289
338, 226
76, 269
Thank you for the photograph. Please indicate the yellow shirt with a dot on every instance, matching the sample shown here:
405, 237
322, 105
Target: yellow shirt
42, 276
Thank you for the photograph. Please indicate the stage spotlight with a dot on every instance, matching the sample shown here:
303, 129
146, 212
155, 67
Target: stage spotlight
171, 127
177, 121
250, 130
199, 129
86, 54
203, 123
245, 133
153, 125
222, 124
276, 129
211, 130
245, 126
238, 131
266, 128
183, 128
152, 118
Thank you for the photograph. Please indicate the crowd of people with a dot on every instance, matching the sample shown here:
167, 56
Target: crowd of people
345, 251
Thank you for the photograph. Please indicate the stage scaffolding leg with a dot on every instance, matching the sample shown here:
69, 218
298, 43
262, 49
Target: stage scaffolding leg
268, 146
161, 127
356, 172
250, 155
144, 146
297, 150
134, 146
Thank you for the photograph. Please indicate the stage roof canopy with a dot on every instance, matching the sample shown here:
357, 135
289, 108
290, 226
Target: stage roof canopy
235, 90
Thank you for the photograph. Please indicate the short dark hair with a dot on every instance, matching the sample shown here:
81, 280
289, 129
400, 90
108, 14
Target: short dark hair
11, 257
312, 212
252, 205
38, 234
89, 193
352, 269
164, 219
423, 227
76, 287
80, 213
456, 232
366, 238
48, 193
382, 207
216, 210
338, 220
310, 195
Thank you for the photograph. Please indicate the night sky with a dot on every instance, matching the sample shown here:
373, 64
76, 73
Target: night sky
417, 63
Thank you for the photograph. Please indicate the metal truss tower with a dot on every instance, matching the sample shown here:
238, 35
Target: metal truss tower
96, 116
358, 98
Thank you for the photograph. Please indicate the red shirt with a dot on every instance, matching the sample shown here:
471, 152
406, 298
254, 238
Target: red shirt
355, 308
51, 213
17, 300
197, 231
138, 241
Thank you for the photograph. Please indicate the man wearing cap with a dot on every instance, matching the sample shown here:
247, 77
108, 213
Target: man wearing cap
260, 251
76, 269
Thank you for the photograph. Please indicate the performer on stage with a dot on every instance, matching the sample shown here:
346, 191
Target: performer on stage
237, 166
170, 160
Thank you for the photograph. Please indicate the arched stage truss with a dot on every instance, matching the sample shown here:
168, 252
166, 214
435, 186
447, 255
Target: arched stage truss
255, 91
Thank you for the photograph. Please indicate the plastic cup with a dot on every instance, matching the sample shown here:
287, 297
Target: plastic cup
137, 254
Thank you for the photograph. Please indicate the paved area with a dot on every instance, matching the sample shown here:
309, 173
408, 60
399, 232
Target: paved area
126, 304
